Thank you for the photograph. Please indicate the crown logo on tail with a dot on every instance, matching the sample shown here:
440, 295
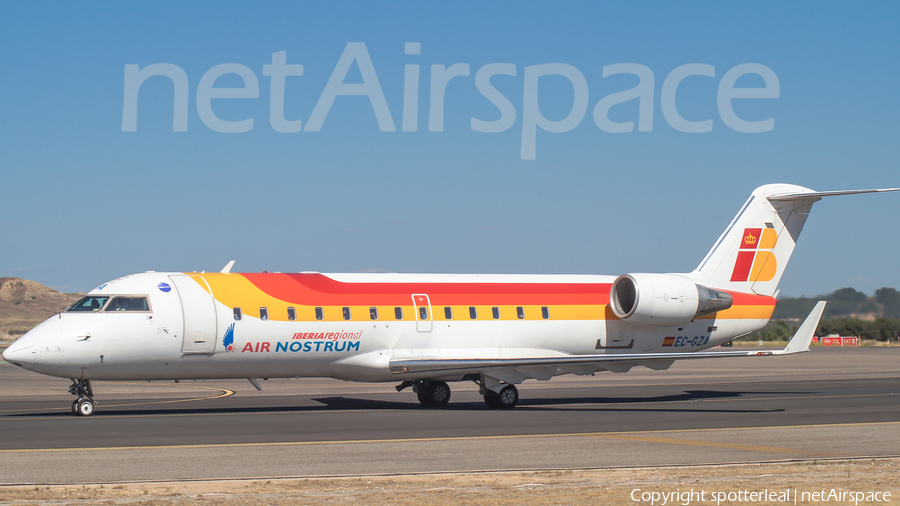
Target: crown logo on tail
754, 264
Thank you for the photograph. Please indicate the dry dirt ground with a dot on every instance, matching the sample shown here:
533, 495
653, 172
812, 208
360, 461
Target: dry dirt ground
24, 304
789, 483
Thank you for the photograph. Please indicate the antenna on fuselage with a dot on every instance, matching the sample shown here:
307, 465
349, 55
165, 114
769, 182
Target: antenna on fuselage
228, 267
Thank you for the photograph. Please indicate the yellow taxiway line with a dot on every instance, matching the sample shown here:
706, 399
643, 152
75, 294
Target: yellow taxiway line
224, 393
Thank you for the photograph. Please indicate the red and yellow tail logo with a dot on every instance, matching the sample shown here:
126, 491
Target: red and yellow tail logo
754, 264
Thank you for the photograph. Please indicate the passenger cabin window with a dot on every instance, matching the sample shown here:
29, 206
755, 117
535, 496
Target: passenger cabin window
128, 304
495, 312
520, 312
88, 303
346, 312
263, 314
423, 313
373, 313
448, 313
237, 314
545, 312
473, 314
398, 313
319, 314
292, 314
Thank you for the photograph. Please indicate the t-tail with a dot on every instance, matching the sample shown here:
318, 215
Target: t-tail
752, 253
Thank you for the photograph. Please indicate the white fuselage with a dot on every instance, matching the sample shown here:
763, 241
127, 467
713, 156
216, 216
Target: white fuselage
155, 344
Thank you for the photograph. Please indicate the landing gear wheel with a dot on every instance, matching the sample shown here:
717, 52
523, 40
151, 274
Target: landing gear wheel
439, 393
433, 393
492, 399
84, 407
508, 397
422, 394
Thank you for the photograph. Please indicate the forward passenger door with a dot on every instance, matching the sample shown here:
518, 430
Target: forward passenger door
199, 307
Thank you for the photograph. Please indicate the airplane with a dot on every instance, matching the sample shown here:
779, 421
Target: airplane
425, 330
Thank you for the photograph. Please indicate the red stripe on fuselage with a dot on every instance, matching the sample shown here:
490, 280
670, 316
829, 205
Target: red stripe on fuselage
320, 290
751, 299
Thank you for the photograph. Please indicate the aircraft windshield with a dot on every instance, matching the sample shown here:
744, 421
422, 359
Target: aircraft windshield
128, 304
89, 303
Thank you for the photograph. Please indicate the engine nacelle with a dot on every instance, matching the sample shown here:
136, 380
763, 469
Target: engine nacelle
663, 299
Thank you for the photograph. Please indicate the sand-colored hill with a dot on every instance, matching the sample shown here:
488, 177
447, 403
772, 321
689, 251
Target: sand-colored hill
24, 304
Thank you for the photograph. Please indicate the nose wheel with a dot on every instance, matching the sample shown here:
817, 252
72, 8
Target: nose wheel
84, 405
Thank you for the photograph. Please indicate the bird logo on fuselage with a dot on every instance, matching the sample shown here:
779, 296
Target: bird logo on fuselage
228, 339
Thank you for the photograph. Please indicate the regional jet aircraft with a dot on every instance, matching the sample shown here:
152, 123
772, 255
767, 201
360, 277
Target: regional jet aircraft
423, 331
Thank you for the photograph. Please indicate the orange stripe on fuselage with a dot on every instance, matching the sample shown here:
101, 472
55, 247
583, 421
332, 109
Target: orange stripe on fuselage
320, 290
576, 301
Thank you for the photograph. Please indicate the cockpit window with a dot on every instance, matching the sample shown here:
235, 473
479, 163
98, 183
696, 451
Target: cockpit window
130, 303
89, 303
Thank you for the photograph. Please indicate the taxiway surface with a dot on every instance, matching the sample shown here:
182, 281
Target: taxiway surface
829, 403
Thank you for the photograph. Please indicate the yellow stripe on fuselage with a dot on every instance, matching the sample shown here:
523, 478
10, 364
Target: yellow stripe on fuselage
236, 291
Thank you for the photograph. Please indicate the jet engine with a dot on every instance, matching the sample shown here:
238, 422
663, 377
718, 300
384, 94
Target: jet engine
664, 299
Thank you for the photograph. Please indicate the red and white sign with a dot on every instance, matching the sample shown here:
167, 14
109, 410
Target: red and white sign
840, 341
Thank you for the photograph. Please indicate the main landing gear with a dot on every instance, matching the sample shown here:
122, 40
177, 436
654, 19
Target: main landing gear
506, 399
84, 405
435, 394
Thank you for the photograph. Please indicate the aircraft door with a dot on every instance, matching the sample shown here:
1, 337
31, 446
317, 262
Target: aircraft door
423, 312
199, 307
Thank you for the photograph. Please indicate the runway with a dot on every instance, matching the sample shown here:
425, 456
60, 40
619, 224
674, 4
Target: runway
829, 403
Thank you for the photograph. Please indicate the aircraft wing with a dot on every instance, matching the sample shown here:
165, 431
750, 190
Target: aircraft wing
799, 343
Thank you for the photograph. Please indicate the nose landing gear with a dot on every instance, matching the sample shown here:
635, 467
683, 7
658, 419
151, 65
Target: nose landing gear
84, 405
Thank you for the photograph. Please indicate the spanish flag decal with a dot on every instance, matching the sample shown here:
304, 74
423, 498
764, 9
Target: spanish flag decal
755, 260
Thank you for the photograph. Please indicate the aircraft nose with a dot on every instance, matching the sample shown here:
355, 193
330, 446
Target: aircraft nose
22, 351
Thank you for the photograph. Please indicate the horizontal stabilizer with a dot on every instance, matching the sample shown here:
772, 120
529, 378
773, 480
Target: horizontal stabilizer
818, 195
800, 342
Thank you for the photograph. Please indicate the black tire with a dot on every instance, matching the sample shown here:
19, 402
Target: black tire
434, 393
422, 394
492, 399
508, 397
85, 407
75, 408
439, 393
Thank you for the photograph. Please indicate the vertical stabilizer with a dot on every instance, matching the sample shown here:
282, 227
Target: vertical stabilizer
752, 253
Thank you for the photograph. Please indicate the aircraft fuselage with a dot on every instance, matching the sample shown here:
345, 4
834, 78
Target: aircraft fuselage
270, 325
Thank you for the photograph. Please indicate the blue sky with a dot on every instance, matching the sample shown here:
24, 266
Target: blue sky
85, 201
